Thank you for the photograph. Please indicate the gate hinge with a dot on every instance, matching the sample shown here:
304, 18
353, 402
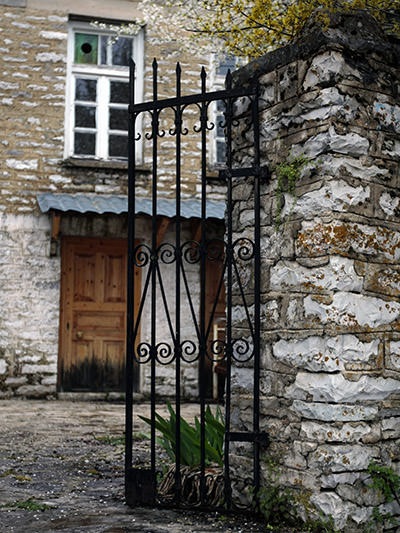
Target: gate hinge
261, 438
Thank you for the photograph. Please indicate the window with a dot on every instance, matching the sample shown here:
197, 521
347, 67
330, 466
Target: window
98, 92
221, 66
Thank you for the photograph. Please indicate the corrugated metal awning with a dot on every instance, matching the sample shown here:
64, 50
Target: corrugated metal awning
83, 203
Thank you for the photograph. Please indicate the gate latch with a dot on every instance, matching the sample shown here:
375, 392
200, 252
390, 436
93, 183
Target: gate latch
260, 437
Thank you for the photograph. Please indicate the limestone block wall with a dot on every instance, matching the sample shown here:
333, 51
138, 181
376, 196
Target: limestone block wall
330, 385
29, 307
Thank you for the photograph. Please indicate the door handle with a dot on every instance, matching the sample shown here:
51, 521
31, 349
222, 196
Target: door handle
79, 334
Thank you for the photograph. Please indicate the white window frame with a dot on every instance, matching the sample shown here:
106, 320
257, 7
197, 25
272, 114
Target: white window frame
103, 74
218, 83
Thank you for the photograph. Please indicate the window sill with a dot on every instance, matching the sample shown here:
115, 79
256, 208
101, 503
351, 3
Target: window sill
94, 163
75, 162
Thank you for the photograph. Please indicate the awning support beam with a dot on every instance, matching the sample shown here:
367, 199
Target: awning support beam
55, 231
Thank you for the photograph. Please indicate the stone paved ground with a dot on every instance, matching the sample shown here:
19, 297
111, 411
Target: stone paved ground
57, 454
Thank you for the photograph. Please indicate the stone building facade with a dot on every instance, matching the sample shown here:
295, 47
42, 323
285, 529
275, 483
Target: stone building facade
330, 383
47, 152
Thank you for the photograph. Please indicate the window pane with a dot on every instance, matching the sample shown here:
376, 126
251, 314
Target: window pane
103, 49
220, 119
85, 116
86, 45
118, 119
221, 152
85, 90
85, 143
118, 146
227, 62
122, 51
119, 92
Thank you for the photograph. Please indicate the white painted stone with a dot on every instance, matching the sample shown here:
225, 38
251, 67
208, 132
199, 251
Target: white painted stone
331, 481
349, 432
16, 381
338, 275
326, 66
3, 366
330, 504
6, 85
49, 380
353, 310
54, 35
243, 378
348, 144
334, 166
394, 354
35, 390
391, 428
327, 354
291, 310
22, 164
335, 388
56, 178
40, 369
50, 57
335, 195
342, 457
388, 204
336, 413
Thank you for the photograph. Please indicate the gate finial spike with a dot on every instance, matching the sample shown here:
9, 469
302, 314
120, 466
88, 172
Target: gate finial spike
203, 76
155, 64
228, 79
178, 68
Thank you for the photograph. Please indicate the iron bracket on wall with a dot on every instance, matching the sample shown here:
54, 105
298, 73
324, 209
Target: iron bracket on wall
262, 172
260, 438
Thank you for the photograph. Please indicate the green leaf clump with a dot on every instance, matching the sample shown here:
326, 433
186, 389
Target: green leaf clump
190, 437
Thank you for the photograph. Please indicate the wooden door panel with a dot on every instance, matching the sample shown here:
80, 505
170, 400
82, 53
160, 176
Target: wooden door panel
115, 268
214, 276
95, 322
84, 278
93, 314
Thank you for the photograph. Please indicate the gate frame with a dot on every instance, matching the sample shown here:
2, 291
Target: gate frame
141, 484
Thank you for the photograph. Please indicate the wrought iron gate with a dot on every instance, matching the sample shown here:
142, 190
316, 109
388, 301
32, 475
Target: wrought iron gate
240, 345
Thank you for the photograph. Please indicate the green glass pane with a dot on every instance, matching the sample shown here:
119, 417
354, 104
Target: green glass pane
86, 47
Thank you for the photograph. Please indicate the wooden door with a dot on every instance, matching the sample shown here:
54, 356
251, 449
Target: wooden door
214, 273
93, 314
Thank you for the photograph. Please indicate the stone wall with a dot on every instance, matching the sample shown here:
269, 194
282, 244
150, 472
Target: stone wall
330, 384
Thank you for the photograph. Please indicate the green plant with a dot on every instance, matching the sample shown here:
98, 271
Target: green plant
274, 503
113, 440
278, 505
190, 437
140, 436
387, 483
288, 172
30, 505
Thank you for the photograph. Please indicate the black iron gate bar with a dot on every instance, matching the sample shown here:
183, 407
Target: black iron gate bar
147, 484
